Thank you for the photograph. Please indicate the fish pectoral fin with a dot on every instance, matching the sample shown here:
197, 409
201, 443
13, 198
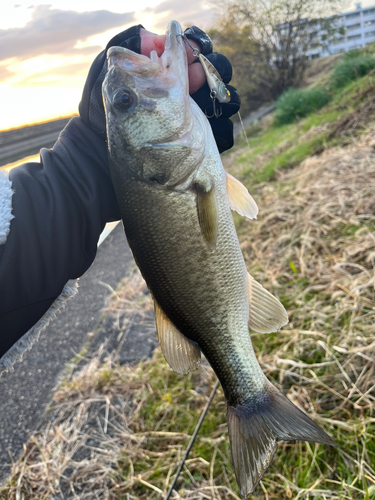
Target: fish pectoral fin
207, 213
254, 429
182, 355
240, 199
267, 314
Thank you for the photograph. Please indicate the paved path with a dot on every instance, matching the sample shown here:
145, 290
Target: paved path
257, 115
26, 392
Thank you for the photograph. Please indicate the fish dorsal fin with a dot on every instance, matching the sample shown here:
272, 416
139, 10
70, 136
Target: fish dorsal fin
182, 355
207, 214
240, 199
267, 314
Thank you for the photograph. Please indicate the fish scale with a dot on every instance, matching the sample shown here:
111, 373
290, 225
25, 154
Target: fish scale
206, 315
175, 200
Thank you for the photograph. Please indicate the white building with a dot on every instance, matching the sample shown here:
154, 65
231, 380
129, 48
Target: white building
359, 31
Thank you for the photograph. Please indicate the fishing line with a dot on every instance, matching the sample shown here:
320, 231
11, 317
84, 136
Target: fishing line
192, 440
244, 131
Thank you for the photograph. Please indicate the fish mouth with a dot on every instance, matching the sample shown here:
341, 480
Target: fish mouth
173, 61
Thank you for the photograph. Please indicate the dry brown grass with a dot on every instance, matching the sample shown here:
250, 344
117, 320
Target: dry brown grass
314, 246
118, 432
319, 68
317, 224
98, 427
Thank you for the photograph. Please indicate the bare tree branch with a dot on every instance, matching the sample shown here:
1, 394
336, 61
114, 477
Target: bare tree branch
269, 41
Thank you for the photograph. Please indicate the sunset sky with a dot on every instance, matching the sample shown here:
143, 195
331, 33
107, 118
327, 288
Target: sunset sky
46, 48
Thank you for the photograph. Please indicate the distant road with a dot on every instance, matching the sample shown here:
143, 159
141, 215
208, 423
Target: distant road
257, 115
17, 143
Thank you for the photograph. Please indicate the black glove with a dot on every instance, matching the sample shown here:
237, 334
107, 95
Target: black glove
91, 107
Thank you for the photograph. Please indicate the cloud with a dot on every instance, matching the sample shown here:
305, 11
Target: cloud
186, 13
54, 31
169, 5
59, 74
5, 73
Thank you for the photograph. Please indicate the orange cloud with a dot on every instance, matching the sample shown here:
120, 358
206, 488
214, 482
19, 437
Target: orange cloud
54, 31
60, 74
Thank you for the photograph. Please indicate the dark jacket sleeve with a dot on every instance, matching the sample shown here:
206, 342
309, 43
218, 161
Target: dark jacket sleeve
60, 207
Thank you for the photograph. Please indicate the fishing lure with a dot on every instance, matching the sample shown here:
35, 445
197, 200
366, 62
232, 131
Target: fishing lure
218, 90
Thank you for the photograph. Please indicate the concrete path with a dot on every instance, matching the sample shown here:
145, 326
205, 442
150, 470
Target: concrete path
257, 115
26, 392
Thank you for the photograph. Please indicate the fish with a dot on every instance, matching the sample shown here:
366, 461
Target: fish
176, 203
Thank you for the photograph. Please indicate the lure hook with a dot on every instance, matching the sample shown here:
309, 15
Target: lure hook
217, 111
218, 90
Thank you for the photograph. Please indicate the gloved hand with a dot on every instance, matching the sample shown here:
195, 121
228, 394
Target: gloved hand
222, 127
141, 41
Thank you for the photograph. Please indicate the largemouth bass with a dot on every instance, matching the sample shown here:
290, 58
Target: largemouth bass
176, 199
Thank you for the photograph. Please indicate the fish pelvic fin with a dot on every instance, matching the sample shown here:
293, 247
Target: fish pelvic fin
254, 429
182, 355
266, 313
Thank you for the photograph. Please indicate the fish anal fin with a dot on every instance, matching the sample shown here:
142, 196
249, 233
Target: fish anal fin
240, 199
182, 355
254, 429
266, 314
207, 213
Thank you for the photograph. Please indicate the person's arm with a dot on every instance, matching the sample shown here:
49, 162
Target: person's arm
60, 206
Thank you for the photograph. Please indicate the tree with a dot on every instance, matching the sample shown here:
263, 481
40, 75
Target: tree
269, 42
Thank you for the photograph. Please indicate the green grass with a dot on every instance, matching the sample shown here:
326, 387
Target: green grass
351, 67
289, 158
298, 103
329, 115
294, 104
276, 147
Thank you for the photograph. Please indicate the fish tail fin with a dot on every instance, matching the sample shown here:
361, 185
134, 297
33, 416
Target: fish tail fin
255, 428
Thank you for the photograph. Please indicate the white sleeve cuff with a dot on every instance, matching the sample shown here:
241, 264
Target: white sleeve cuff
6, 216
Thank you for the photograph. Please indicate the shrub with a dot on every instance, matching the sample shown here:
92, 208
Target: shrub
297, 103
352, 66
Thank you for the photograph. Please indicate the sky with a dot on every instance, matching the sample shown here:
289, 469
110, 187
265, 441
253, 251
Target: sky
46, 48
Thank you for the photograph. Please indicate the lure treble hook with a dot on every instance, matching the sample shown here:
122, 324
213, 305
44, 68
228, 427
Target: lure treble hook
218, 90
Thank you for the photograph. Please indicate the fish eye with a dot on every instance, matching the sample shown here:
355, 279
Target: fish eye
123, 99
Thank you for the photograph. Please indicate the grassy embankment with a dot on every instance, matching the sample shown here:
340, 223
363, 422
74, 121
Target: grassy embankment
119, 432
